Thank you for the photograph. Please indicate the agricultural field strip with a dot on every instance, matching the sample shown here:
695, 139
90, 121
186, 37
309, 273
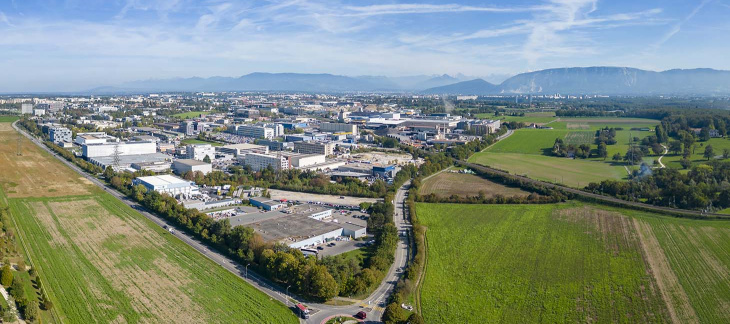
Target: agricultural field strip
120, 300
503, 266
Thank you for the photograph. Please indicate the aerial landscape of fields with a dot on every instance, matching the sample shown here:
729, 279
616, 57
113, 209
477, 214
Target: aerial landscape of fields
527, 151
572, 263
104, 262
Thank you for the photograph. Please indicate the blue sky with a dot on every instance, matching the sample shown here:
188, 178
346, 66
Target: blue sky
55, 45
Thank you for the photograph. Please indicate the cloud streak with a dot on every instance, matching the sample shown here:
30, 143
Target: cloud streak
678, 26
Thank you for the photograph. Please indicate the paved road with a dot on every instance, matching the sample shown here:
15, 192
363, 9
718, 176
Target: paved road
376, 302
607, 199
320, 311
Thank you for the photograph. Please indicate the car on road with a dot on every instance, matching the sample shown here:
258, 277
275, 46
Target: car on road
361, 315
320, 248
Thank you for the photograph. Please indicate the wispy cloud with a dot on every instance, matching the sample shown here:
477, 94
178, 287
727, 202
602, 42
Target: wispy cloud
421, 8
678, 26
4, 19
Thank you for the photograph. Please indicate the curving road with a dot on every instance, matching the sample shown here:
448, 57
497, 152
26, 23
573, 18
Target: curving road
372, 305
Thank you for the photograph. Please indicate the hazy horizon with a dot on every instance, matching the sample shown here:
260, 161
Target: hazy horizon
77, 45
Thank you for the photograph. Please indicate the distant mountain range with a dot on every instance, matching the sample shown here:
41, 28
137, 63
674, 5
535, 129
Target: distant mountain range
600, 80
589, 80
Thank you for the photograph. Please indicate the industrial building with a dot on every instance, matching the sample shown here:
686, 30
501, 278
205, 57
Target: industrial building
306, 160
274, 145
326, 149
94, 138
200, 151
242, 149
182, 166
480, 127
259, 162
118, 148
266, 203
338, 128
157, 162
167, 184
60, 134
154, 166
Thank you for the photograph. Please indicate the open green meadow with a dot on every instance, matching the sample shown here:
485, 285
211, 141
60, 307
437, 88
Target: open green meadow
572, 263
8, 119
529, 151
190, 114
571, 172
718, 145
103, 262
528, 118
189, 141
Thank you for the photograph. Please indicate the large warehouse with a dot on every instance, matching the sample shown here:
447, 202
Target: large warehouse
167, 184
182, 166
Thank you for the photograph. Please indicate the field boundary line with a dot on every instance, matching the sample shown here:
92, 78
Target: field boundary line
422, 277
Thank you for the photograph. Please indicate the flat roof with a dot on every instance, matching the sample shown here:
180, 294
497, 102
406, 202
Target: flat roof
129, 159
254, 217
243, 146
191, 162
162, 180
293, 227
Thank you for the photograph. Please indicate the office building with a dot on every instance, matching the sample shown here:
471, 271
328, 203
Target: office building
94, 138
59, 134
184, 165
259, 162
254, 131
242, 149
326, 149
306, 160
200, 151
338, 128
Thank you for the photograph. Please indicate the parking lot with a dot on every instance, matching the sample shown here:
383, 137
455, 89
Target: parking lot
305, 197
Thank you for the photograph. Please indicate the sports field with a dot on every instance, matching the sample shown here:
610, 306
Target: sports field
188, 141
102, 262
190, 114
572, 263
447, 183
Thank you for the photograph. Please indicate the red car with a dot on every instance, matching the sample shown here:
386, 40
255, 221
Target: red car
361, 315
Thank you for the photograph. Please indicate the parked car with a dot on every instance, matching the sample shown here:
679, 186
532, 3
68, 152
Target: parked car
361, 315
320, 248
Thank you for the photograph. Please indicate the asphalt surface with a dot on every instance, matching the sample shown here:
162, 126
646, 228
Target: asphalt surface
373, 305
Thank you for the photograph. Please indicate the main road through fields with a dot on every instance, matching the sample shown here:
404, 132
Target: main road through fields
373, 305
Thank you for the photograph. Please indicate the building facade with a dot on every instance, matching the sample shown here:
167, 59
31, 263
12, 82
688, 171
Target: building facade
183, 166
338, 128
259, 162
167, 184
59, 134
200, 151
326, 149
254, 131
121, 148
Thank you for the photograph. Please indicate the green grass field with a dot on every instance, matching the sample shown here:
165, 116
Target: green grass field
571, 172
190, 114
8, 119
197, 141
531, 117
572, 263
528, 151
530, 264
103, 262
718, 144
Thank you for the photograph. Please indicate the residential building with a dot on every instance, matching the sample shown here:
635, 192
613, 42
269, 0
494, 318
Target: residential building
200, 151
26, 108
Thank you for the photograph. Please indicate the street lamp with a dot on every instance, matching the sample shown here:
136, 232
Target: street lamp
287, 295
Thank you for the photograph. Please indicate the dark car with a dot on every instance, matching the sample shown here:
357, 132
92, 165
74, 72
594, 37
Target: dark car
320, 248
361, 315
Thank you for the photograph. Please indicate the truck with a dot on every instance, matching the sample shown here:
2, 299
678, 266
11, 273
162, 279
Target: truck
302, 311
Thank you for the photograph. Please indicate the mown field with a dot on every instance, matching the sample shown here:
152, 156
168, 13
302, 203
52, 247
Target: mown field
191, 114
103, 262
530, 117
529, 151
718, 145
447, 183
571, 172
534, 263
572, 263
